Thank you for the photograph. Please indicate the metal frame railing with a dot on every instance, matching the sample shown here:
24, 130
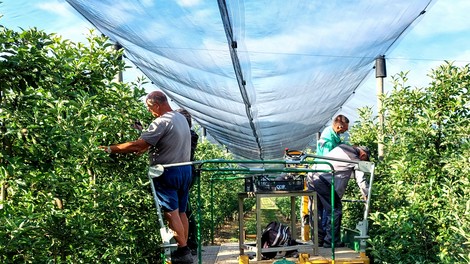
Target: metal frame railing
263, 169
362, 226
234, 167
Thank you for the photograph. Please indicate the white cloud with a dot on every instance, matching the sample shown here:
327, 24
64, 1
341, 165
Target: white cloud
188, 3
148, 3
444, 16
60, 8
463, 58
417, 71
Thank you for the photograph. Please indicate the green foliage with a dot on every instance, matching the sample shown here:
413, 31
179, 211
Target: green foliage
65, 200
218, 203
363, 133
284, 205
421, 208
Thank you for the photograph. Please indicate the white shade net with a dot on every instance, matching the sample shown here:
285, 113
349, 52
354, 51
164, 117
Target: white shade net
259, 76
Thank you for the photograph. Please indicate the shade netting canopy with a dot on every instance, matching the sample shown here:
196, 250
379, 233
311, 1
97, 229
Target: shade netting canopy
260, 76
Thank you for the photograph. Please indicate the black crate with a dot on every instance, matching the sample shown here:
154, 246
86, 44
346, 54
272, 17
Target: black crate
249, 184
266, 183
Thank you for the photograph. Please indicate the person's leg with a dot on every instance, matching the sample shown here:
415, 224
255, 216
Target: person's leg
337, 227
190, 214
338, 218
323, 217
185, 222
168, 191
176, 224
192, 230
186, 180
319, 208
321, 221
183, 253
324, 193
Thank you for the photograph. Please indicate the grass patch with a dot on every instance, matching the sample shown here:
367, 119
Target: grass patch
269, 212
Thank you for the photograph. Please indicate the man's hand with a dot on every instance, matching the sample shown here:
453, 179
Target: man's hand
137, 125
138, 147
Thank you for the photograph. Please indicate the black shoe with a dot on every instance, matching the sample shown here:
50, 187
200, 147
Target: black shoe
337, 245
181, 256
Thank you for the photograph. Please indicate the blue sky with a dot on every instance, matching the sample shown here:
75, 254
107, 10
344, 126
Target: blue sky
443, 33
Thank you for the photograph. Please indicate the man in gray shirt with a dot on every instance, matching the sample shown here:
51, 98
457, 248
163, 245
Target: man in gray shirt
168, 140
321, 183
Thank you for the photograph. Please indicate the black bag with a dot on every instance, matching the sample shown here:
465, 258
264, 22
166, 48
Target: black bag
277, 235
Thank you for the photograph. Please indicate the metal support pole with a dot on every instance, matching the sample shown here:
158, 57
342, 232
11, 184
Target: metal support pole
199, 217
292, 217
332, 217
204, 133
258, 227
212, 209
380, 74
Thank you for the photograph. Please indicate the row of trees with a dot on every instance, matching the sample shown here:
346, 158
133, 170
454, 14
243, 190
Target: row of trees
421, 195
64, 200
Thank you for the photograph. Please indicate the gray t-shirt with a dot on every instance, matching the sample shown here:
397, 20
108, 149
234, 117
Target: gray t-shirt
170, 139
343, 170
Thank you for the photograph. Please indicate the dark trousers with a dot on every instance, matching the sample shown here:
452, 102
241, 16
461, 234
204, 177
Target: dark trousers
323, 189
192, 231
191, 214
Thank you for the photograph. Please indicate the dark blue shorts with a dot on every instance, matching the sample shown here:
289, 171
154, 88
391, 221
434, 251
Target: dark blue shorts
172, 188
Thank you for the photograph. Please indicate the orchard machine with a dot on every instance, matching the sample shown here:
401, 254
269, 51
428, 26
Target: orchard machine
277, 178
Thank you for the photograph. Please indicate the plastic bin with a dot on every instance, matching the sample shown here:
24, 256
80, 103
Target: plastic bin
283, 183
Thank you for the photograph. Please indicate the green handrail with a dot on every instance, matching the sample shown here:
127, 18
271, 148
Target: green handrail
333, 218
368, 166
240, 170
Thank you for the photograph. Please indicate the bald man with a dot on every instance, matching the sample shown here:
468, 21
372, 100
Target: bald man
168, 140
